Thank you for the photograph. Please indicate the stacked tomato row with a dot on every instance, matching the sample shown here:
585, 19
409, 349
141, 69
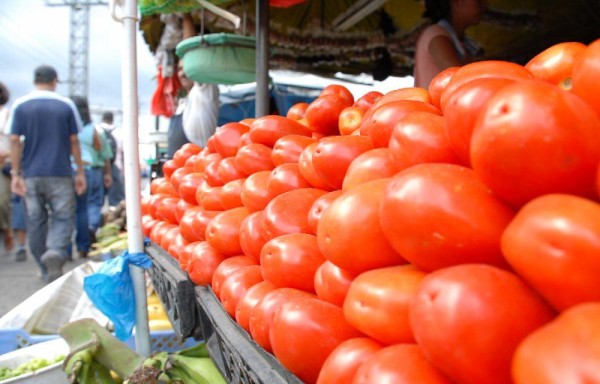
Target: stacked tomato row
448, 235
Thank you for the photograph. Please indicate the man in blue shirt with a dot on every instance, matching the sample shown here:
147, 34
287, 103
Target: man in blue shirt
41, 168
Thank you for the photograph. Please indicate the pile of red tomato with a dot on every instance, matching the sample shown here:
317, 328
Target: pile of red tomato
448, 235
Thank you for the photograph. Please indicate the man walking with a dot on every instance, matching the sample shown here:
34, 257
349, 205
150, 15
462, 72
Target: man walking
116, 191
41, 168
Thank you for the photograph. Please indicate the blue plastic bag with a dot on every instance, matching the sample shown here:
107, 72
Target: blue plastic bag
111, 290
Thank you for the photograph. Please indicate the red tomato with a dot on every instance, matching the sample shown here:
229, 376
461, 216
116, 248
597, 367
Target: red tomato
251, 238
211, 173
201, 220
178, 175
154, 184
350, 120
340, 90
184, 153
204, 158
186, 225
249, 300
333, 155
380, 125
223, 231
535, 120
168, 238
378, 300
323, 113
153, 205
586, 74
286, 177
227, 136
562, 351
554, 244
291, 261
371, 165
228, 171
462, 111
148, 222
158, 231
231, 194
399, 364
304, 332
319, 206
236, 285
168, 168
185, 254
420, 137
349, 233
288, 148
210, 199
244, 140
247, 121
438, 83
226, 268
261, 316
288, 212
332, 283
167, 189
307, 169
297, 111
189, 163
254, 158
203, 263
188, 185
255, 195
555, 64
481, 69
177, 248
409, 93
464, 318
182, 207
341, 365
167, 209
366, 101
268, 129
454, 217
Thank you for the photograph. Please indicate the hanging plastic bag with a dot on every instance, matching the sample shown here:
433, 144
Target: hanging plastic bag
111, 290
163, 101
201, 113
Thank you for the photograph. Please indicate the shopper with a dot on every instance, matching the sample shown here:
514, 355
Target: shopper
41, 168
4, 175
116, 191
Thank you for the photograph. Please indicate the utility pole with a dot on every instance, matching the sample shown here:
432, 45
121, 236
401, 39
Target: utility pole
78, 42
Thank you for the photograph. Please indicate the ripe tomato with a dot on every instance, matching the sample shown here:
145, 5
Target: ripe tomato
332, 283
297, 111
438, 83
482, 69
261, 316
380, 125
244, 140
223, 231
226, 268
462, 111
177, 247
350, 120
158, 230
231, 194
377, 303
399, 364
188, 185
154, 184
586, 74
291, 261
249, 300
371, 165
167, 209
409, 93
333, 155
254, 158
305, 162
535, 120
255, 195
562, 351
168, 238
211, 173
366, 101
210, 199
349, 233
554, 244
236, 285
203, 263
178, 175
247, 121
167, 189
454, 217
341, 365
182, 207
555, 64
463, 317
185, 253
204, 158
251, 238
228, 171
288, 212
227, 136
148, 222
288, 148
201, 220
318, 207
168, 168
340, 90
323, 113
268, 129
305, 331
286, 177
184, 153
186, 225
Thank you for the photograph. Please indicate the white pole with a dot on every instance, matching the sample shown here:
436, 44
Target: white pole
131, 163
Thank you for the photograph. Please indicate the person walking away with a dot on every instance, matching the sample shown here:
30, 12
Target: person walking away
116, 191
443, 43
5, 174
41, 168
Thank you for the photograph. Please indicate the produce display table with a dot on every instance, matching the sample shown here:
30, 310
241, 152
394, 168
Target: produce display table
239, 359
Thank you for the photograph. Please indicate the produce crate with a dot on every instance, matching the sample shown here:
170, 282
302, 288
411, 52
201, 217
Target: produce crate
13, 339
239, 359
52, 373
176, 291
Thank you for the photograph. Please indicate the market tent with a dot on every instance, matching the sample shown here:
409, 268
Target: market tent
325, 37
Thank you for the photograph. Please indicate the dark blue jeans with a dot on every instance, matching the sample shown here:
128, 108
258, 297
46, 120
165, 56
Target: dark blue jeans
82, 238
95, 196
116, 192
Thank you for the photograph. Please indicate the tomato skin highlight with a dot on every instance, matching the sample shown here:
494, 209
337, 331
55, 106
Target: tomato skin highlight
341, 365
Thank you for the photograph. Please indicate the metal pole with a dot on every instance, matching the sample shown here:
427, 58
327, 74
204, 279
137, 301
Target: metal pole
132, 171
262, 58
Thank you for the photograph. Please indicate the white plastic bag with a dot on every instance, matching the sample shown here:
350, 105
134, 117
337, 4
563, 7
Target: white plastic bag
201, 113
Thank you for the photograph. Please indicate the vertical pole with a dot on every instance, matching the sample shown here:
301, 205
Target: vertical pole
262, 58
132, 172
